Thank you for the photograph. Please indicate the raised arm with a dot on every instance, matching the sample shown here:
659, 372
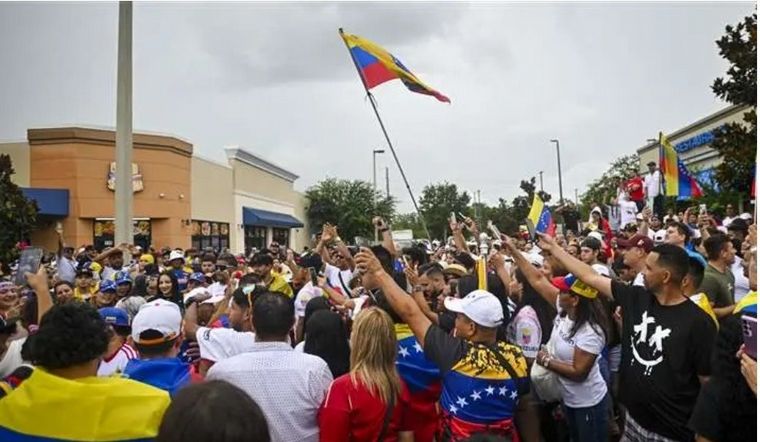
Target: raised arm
459, 241
39, 283
385, 231
582, 271
399, 300
414, 281
497, 263
535, 278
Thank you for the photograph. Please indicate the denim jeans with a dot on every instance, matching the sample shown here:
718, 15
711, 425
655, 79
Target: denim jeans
588, 424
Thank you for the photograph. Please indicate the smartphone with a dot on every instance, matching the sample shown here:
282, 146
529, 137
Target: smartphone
453, 218
703, 209
749, 330
28, 262
494, 230
406, 260
531, 229
313, 275
461, 216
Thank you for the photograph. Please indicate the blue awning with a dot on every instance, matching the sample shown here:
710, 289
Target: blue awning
51, 202
258, 217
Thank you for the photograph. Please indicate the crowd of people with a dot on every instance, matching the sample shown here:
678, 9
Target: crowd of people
626, 329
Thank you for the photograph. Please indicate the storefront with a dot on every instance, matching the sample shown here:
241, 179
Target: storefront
180, 200
692, 143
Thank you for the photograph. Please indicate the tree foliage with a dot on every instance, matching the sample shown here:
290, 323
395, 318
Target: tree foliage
17, 214
408, 221
436, 204
605, 187
350, 205
737, 142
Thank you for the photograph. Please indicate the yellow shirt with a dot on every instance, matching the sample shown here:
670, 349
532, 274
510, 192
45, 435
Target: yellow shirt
279, 285
80, 296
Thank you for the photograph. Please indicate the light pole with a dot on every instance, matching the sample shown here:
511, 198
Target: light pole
576, 196
123, 192
541, 179
559, 170
374, 169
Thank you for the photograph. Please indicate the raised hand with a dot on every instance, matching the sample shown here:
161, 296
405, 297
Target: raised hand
412, 276
496, 260
546, 242
368, 264
379, 223
38, 281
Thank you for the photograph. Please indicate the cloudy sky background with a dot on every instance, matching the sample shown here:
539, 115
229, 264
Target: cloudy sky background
277, 80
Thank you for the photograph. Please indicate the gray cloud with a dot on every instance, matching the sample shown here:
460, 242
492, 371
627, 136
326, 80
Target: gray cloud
276, 79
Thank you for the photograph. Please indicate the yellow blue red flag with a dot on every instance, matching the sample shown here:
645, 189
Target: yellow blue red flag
50, 408
541, 217
376, 66
678, 180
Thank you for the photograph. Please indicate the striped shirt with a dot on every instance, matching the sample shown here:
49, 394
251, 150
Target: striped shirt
118, 361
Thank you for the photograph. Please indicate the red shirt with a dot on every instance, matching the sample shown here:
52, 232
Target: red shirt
635, 188
351, 413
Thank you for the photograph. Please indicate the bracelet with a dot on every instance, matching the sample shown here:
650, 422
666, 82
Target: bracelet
383, 230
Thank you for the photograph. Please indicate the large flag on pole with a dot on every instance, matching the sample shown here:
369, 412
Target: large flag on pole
678, 180
541, 216
376, 66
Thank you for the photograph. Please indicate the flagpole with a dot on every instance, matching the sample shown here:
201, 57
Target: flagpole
385, 133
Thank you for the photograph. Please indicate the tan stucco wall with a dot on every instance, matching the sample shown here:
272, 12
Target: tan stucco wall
250, 179
19, 153
211, 188
79, 159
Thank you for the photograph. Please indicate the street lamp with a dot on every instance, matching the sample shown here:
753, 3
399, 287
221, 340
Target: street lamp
374, 169
559, 170
541, 179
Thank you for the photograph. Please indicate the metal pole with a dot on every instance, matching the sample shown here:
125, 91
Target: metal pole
123, 193
559, 171
576, 196
374, 174
387, 138
387, 184
541, 179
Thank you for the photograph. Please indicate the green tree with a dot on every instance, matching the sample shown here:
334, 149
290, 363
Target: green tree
521, 205
408, 221
17, 215
605, 187
350, 205
737, 142
437, 202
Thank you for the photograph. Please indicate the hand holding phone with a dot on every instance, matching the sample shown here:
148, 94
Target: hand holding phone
29, 261
313, 275
749, 331
494, 230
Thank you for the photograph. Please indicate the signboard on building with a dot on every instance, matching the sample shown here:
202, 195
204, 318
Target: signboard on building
137, 181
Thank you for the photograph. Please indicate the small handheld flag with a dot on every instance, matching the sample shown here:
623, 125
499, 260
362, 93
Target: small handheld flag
541, 217
678, 180
376, 66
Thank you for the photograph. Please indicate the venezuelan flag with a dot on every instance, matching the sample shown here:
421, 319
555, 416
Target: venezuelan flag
678, 180
541, 217
50, 408
480, 395
376, 66
423, 380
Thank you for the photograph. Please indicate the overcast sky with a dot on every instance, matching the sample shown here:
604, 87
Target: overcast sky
277, 80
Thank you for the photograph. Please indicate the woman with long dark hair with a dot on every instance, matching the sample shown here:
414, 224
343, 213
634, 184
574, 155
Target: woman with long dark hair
168, 289
326, 337
578, 338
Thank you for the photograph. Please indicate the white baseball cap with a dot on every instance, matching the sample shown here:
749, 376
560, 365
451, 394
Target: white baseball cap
159, 315
194, 292
176, 254
481, 307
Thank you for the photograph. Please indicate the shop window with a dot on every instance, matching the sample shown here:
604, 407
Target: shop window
211, 234
281, 236
104, 231
255, 237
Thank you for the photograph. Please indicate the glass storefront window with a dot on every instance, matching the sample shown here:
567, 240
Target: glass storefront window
255, 237
281, 236
209, 234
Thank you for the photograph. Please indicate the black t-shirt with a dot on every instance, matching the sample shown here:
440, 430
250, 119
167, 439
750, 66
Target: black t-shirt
664, 349
705, 420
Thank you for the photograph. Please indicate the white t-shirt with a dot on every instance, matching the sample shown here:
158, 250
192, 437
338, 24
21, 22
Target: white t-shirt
728, 220
118, 361
12, 358
652, 183
338, 279
216, 344
525, 332
299, 347
592, 390
601, 269
628, 212
639, 279
741, 282
306, 294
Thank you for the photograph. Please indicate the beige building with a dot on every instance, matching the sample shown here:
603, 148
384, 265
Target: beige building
692, 143
180, 200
